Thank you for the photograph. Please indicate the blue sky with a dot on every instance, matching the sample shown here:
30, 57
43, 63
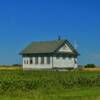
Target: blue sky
23, 21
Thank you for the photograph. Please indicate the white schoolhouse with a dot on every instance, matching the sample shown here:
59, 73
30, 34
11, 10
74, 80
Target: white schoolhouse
56, 54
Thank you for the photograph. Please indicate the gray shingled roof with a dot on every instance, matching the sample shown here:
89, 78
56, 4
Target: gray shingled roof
46, 47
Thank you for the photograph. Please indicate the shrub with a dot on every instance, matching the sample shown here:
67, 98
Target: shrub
90, 66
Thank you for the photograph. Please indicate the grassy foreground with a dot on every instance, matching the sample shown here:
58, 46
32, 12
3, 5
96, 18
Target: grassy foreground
49, 85
72, 94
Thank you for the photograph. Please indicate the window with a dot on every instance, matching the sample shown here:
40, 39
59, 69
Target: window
31, 61
36, 60
75, 61
25, 62
57, 57
69, 58
42, 60
64, 57
48, 60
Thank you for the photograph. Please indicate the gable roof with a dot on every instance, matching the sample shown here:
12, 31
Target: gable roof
46, 47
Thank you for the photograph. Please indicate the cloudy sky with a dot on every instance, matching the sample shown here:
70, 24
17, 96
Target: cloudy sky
24, 21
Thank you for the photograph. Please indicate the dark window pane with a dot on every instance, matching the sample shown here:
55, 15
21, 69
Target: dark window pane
75, 61
48, 60
70, 57
57, 57
64, 57
24, 61
36, 60
42, 60
31, 61
27, 61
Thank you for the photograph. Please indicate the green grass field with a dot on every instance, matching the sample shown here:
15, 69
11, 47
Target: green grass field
72, 94
49, 85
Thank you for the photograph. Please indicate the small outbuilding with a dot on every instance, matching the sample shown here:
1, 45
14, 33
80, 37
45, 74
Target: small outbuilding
56, 54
